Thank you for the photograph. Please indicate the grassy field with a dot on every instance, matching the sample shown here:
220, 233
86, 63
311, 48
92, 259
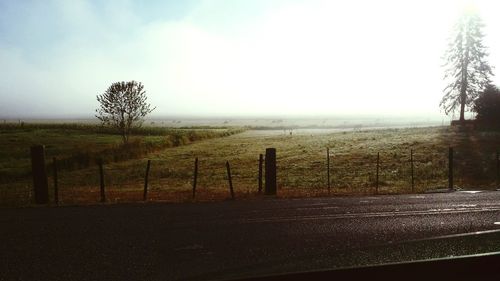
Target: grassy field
301, 160
77, 148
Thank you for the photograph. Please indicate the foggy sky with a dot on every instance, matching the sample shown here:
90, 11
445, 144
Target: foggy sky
219, 58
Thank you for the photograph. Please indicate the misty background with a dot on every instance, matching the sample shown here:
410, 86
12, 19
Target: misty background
237, 58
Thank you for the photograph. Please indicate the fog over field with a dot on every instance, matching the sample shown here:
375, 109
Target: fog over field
297, 125
279, 59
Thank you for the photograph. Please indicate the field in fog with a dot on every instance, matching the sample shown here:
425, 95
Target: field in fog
301, 161
331, 122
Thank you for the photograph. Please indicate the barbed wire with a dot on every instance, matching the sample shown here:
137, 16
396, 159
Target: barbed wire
391, 166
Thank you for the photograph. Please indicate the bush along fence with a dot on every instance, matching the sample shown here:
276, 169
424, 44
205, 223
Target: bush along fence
270, 176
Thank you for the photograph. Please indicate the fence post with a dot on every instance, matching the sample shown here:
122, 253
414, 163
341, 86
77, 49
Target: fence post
230, 179
412, 172
40, 181
146, 178
328, 167
261, 160
56, 187
270, 187
498, 169
378, 164
101, 177
450, 168
195, 176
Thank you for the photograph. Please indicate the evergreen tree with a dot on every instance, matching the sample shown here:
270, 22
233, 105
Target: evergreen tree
487, 106
466, 68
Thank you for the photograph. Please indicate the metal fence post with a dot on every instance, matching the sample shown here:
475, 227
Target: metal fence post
328, 167
195, 176
230, 179
498, 169
450, 168
412, 172
378, 164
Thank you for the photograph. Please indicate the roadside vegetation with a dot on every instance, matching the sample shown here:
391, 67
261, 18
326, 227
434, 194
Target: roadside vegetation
78, 146
301, 160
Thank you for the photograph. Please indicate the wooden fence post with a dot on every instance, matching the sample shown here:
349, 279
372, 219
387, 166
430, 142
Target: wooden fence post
56, 187
195, 176
261, 160
146, 178
328, 167
450, 168
271, 183
378, 164
230, 180
40, 181
412, 172
101, 177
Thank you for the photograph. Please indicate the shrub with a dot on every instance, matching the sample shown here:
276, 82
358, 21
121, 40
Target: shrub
487, 106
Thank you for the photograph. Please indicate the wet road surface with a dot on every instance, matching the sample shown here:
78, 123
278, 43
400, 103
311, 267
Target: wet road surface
242, 238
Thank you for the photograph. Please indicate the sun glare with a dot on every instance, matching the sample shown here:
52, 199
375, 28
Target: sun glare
284, 58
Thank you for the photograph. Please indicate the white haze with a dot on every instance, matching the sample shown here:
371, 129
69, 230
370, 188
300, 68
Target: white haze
237, 58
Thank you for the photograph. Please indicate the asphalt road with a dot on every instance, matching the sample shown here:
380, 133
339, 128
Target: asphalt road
241, 238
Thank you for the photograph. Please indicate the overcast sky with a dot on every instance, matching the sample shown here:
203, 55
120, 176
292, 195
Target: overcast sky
231, 57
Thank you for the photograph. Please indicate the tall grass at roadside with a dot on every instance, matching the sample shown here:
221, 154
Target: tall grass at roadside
301, 165
140, 146
79, 146
101, 129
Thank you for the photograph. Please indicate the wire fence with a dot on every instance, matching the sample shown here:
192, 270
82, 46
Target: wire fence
297, 174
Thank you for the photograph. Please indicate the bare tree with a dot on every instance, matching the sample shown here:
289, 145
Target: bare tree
467, 69
123, 105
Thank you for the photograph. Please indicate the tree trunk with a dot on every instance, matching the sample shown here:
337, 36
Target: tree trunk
462, 109
463, 96
463, 89
124, 137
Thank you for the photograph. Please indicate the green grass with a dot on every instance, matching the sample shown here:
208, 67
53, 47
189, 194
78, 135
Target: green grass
79, 146
301, 160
